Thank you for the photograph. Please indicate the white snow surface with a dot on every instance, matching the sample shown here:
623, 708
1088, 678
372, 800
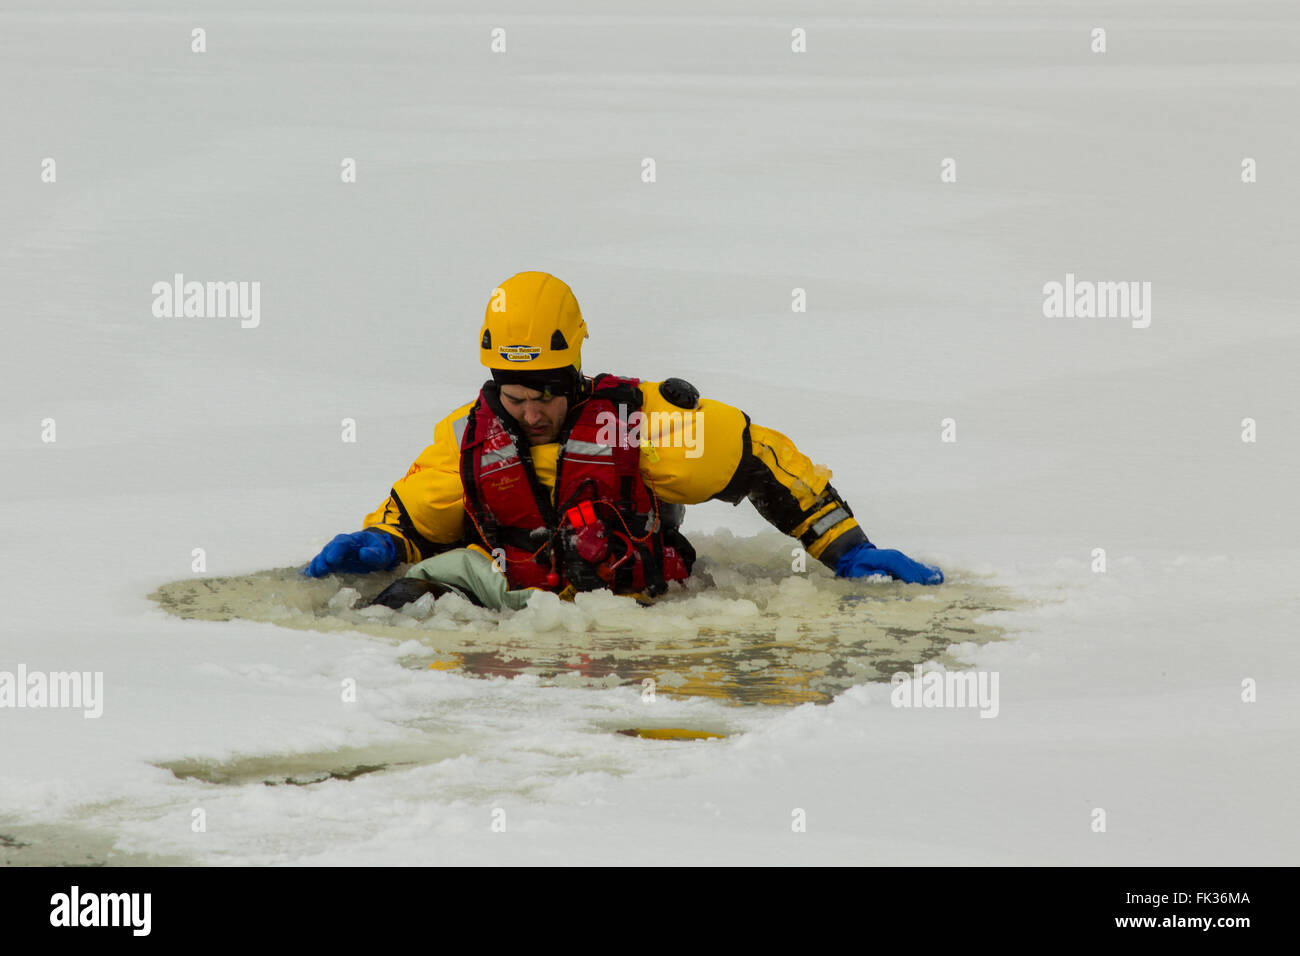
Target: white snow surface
1120, 690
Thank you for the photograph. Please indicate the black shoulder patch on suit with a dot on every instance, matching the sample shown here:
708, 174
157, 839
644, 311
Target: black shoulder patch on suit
737, 488
679, 392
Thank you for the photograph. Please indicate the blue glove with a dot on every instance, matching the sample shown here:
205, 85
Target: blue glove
355, 553
867, 559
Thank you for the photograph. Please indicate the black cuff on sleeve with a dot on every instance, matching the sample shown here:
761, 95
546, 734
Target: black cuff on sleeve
844, 543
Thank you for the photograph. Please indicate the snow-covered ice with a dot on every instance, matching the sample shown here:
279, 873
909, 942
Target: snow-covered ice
775, 170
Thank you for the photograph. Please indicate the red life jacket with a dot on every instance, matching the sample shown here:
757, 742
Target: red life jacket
605, 529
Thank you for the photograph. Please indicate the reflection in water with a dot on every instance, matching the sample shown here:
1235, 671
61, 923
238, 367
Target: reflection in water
743, 634
769, 660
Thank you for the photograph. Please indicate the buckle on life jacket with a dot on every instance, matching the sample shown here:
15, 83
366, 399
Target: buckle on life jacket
581, 514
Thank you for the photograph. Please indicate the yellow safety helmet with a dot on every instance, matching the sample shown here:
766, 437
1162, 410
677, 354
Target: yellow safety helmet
532, 323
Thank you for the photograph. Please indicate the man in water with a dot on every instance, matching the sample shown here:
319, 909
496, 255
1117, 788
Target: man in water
556, 481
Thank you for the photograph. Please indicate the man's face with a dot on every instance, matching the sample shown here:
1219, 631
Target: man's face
541, 418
